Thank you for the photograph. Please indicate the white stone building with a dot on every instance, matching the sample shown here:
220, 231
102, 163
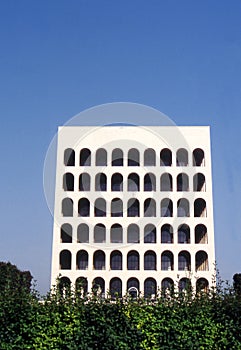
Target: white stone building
133, 208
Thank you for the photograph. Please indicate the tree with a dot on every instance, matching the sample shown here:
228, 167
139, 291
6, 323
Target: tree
237, 283
12, 280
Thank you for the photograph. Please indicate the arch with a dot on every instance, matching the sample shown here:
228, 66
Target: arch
101, 157
166, 182
117, 157
116, 287
150, 260
69, 157
167, 284
99, 260
82, 260
99, 233
84, 182
81, 286
116, 207
133, 287
84, 207
167, 260
64, 286
184, 261
68, 182
65, 260
182, 157
183, 208
133, 182
133, 157
182, 182
66, 233
117, 182
166, 207
198, 157
116, 234
100, 182
133, 234
98, 286
83, 233
149, 157
165, 157
149, 182
183, 234
150, 207
200, 209
133, 208
202, 285
133, 260
201, 235
201, 260
100, 207
67, 207
166, 234
150, 288
116, 260
85, 157
184, 284
199, 183
149, 234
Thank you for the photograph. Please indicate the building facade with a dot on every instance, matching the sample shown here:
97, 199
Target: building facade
133, 209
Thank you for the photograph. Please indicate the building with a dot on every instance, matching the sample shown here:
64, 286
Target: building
133, 208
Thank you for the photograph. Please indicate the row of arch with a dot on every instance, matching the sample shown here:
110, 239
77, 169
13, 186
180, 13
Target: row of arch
133, 182
133, 208
133, 234
133, 157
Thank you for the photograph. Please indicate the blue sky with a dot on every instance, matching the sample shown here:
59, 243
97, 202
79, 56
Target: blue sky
58, 58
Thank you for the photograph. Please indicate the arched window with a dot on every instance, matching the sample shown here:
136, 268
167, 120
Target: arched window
199, 183
166, 207
66, 233
82, 260
117, 182
182, 182
167, 260
201, 235
150, 288
85, 157
69, 157
149, 234
101, 157
100, 182
100, 207
184, 261
183, 234
133, 234
202, 285
165, 157
166, 182
84, 207
149, 182
166, 234
116, 260
149, 207
133, 207
201, 261
98, 287
200, 208
133, 260
67, 207
81, 286
184, 284
182, 157
64, 286
198, 157
133, 157
83, 233
65, 260
84, 182
116, 287
68, 182
133, 287
150, 260
149, 157
99, 233
133, 184
183, 209
99, 260
117, 157
116, 234
167, 284
116, 207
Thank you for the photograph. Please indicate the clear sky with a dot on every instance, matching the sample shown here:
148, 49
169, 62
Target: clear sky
60, 57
